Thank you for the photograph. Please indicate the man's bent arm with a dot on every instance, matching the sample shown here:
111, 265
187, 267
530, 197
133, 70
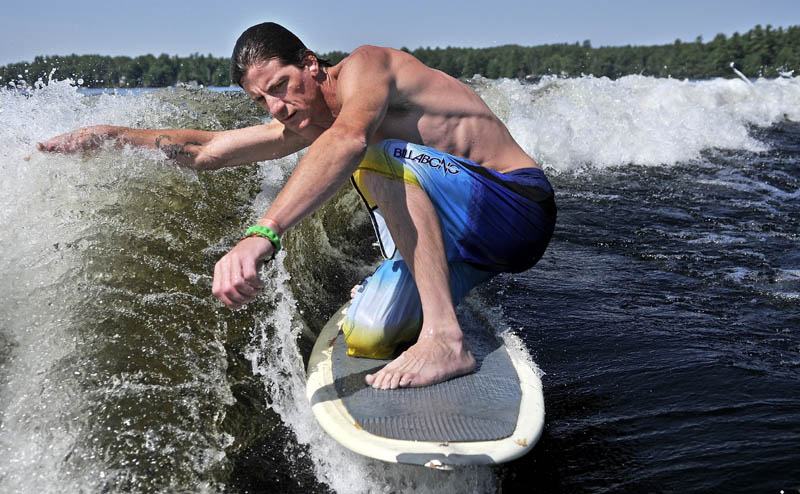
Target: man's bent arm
196, 149
324, 169
364, 89
330, 160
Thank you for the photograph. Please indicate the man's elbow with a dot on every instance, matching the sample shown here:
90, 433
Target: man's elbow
354, 143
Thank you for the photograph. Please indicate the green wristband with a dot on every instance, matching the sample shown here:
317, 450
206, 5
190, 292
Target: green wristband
263, 231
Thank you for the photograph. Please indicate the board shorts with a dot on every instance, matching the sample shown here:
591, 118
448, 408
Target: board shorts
491, 223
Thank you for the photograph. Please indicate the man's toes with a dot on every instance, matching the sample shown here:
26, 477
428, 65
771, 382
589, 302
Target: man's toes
369, 379
386, 383
379, 377
406, 380
395, 381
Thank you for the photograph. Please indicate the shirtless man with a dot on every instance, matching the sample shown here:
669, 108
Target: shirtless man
453, 196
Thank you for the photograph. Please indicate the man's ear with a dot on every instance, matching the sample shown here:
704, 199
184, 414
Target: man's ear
310, 61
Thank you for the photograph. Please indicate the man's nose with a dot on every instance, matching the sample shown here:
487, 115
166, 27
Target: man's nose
275, 106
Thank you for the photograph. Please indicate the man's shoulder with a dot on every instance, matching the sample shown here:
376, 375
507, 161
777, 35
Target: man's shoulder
373, 50
374, 60
370, 55
368, 64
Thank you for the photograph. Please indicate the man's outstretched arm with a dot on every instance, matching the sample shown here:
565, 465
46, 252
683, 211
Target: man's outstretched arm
196, 149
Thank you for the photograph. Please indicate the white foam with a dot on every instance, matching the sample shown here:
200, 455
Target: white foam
570, 123
745, 184
787, 296
787, 275
495, 319
713, 238
49, 201
741, 274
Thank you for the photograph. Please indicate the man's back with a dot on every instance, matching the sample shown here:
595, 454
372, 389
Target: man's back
429, 107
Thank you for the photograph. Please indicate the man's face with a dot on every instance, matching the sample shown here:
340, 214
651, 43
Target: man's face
286, 91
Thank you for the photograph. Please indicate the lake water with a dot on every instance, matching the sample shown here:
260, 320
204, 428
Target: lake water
664, 314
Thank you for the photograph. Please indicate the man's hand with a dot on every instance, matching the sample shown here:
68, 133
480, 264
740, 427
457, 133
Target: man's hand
83, 139
236, 280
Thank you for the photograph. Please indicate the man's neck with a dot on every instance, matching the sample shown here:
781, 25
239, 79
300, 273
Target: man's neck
328, 91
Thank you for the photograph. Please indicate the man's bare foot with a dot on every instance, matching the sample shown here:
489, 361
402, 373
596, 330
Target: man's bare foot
432, 359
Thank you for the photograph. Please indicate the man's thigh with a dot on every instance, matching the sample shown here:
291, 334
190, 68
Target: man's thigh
487, 219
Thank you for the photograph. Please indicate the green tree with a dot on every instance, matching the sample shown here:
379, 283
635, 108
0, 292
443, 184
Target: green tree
760, 51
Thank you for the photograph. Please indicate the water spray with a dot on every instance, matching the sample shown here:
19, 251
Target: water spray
741, 76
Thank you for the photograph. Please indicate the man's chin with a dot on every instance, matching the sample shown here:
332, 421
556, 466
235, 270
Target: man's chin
299, 124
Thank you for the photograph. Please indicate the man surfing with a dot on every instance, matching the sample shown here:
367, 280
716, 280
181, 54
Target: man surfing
454, 198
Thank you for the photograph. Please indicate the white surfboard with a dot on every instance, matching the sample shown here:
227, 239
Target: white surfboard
493, 415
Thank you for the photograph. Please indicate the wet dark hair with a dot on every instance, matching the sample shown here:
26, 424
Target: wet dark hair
265, 41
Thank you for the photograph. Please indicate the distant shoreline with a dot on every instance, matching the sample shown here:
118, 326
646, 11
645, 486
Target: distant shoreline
138, 90
760, 52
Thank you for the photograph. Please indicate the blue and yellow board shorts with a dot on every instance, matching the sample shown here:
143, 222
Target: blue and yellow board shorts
491, 223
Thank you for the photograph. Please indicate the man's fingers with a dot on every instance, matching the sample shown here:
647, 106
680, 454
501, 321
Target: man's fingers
232, 297
244, 278
83, 139
236, 281
46, 147
238, 298
221, 287
217, 287
250, 276
243, 288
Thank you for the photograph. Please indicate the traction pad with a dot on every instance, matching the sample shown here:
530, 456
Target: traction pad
482, 406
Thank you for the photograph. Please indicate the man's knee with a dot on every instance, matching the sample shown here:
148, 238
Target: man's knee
385, 312
371, 332
376, 341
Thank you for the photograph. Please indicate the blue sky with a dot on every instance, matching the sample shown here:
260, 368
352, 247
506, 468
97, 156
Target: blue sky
175, 27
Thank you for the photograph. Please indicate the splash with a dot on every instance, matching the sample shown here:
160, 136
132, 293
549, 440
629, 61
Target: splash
567, 124
112, 363
106, 261
276, 358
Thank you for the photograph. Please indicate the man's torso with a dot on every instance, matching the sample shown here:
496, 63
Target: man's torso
429, 107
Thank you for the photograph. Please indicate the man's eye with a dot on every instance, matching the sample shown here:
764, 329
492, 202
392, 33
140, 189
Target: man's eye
277, 88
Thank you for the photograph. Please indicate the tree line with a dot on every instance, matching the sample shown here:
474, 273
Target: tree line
760, 52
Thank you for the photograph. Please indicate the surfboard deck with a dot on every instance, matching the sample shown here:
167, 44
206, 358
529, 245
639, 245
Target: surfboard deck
493, 415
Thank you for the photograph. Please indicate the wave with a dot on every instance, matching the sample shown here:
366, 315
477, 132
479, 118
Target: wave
118, 369
567, 124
